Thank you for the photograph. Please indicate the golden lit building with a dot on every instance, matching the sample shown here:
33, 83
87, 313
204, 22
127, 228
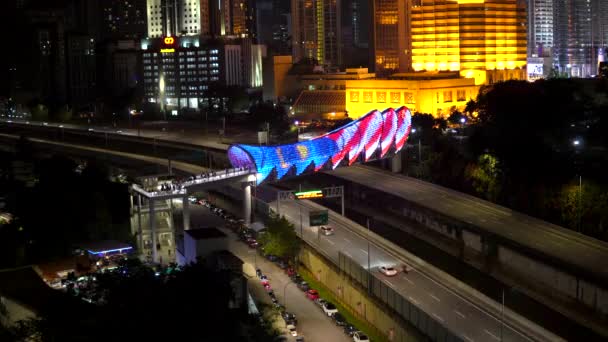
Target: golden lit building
438, 94
482, 39
358, 92
391, 39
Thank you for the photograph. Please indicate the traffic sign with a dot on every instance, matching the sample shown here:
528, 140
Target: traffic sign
318, 218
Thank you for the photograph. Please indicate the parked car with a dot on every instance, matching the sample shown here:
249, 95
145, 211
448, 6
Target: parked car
339, 319
349, 330
320, 302
360, 337
292, 330
299, 339
296, 278
290, 318
264, 279
252, 243
312, 294
329, 309
282, 264
290, 271
327, 230
267, 287
407, 268
303, 286
271, 257
388, 271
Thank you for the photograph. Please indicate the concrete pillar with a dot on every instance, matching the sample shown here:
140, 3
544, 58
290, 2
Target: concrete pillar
152, 217
132, 207
396, 163
140, 233
186, 213
247, 202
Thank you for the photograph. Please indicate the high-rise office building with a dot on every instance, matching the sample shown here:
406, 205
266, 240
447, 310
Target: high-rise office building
391, 36
204, 17
540, 27
123, 19
316, 31
482, 39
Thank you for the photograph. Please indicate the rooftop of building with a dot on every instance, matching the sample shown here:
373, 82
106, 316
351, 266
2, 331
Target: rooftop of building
205, 233
425, 75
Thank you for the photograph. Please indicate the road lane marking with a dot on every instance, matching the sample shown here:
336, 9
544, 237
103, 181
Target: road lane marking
347, 240
438, 317
330, 242
489, 333
460, 314
408, 280
363, 250
435, 298
468, 338
413, 300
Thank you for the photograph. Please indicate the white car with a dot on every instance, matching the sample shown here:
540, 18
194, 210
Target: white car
326, 230
407, 268
360, 337
388, 271
292, 330
329, 309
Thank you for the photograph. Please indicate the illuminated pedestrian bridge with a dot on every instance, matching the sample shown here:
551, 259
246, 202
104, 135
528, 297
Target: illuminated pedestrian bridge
375, 135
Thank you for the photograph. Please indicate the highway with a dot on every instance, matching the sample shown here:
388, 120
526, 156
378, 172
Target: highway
578, 251
461, 316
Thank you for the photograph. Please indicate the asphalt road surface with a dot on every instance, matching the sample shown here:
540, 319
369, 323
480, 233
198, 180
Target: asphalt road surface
313, 324
459, 315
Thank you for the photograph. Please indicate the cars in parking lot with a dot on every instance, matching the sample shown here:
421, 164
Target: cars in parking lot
320, 302
388, 271
303, 286
252, 243
312, 294
290, 318
292, 330
290, 271
349, 330
339, 319
360, 337
267, 287
329, 309
327, 230
282, 264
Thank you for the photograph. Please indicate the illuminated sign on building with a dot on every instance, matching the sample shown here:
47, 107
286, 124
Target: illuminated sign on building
169, 40
309, 194
167, 50
169, 43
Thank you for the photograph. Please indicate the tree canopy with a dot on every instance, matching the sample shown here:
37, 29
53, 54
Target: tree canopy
279, 238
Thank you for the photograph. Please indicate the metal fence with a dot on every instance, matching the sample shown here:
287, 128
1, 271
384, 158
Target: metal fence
408, 310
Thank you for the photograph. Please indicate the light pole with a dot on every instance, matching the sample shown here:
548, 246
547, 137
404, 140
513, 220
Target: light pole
369, 269
577, 143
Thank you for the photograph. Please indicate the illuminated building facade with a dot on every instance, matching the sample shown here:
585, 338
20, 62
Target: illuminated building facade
391, 36
204, 17
581, 28
317, 31
124, 18
482, 39
373, 136
540, 27
177, 71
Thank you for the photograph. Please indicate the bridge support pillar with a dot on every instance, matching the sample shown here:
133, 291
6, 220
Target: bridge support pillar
140, 235
186, 213
152, 219
397, 163
247, 202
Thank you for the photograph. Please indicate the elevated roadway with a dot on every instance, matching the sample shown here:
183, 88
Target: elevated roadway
446, 298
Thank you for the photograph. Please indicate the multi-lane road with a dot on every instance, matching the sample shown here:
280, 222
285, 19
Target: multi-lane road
466, 319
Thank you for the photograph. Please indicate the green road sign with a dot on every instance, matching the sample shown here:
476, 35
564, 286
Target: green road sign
318, 218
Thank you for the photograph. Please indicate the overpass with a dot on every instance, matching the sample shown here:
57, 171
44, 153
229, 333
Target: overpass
479, 318
573, 273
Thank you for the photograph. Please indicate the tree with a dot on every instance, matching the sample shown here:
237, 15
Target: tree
485, 177
63, 114
279, 238
456, 117
39, 112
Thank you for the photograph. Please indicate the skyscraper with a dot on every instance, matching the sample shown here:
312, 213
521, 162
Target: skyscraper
391, 36
573, 39
317, 31
482, 39
540, 27
123, 19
